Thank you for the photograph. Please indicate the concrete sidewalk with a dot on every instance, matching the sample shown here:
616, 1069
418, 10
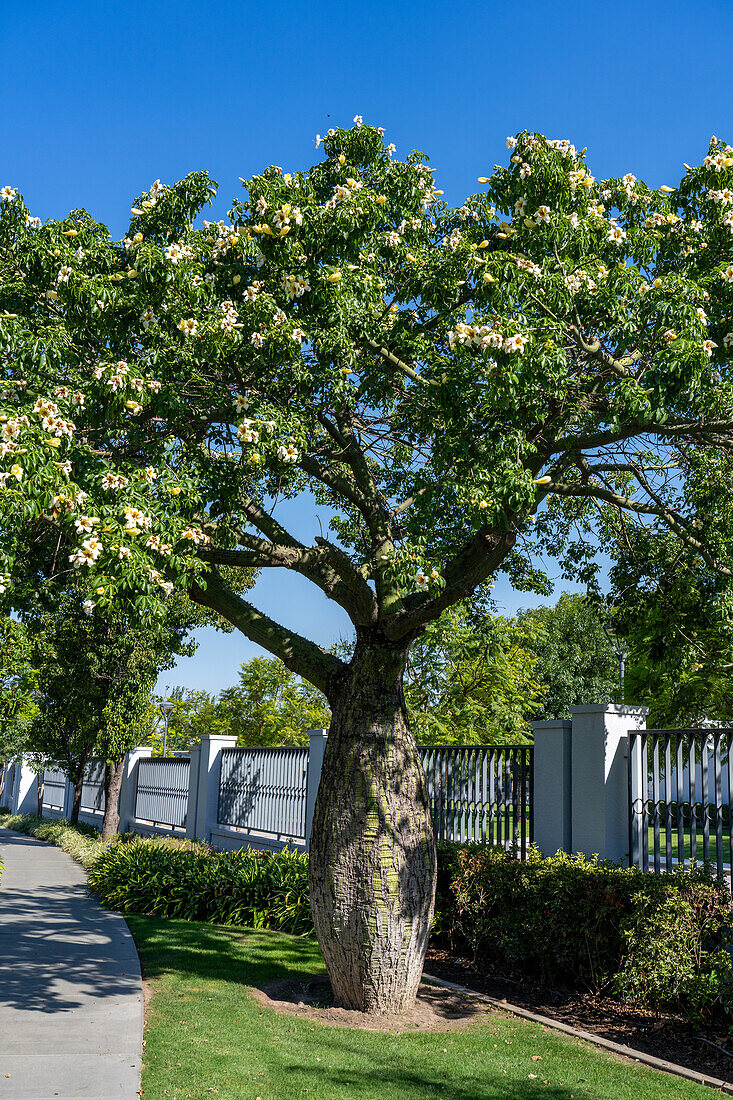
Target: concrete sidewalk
71, 1006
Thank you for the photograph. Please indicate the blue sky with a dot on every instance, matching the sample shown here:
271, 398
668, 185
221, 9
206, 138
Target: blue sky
101, 98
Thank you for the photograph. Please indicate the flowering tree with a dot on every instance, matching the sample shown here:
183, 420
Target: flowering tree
435, 377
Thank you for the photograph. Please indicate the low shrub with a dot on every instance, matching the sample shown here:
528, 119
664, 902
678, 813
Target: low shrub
661, 939
255, 888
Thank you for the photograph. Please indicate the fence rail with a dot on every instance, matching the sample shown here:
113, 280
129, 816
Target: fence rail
482, 793
679, 798
162, 791
264, 789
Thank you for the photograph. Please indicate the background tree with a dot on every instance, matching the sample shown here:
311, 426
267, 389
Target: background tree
676, 616
436, 377
269, 706
471, 678
94, 680
18, 689
575, 663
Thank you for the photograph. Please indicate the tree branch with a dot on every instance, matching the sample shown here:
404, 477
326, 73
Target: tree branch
299, 654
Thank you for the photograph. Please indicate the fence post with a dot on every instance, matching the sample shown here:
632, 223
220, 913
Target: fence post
193, 791
316, 749
209, 775
128, 790
600, 778
637, 799
552, 786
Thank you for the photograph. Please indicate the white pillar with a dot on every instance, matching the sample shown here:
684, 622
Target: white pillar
600, 778
316, 749
25, 792
209, 774
128, 790
193, 791
552, 786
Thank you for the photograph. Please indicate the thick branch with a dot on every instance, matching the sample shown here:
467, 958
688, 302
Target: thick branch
299, 654
326, 567
480, 557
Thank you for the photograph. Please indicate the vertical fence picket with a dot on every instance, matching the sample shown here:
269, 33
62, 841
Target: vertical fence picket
705, 799
718, 805
679, 757
655, 799
693, 803
667, 802
645, 804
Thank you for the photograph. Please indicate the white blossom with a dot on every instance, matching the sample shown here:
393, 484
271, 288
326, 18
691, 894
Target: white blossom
288, 453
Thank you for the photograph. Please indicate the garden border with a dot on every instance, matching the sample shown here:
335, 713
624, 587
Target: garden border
597, 1040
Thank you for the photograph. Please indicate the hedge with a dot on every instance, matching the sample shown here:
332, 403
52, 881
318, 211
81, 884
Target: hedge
254, 888
659, 939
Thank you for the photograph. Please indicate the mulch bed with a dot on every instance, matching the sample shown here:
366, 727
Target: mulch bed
435, 1009
664, 1036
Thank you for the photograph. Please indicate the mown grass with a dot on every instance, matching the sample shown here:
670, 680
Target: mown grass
206, 1036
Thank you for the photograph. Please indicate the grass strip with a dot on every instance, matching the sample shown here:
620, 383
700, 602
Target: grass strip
205, 1036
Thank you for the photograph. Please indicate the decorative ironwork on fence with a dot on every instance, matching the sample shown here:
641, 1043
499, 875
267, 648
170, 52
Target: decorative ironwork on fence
264, 790
482, 794
54, 789
679, 798
92, 793
162, 791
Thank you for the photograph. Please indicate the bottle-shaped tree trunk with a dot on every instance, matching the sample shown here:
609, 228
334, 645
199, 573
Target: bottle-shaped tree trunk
113, 773
372, 854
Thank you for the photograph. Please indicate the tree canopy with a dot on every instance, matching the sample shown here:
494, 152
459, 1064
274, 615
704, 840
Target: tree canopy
419, 368
575, 662
463, 388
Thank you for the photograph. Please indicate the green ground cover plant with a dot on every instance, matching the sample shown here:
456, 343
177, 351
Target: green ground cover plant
206, 1036
247, 887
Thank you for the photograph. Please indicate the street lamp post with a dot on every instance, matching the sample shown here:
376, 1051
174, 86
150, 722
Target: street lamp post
165, 706
621, 655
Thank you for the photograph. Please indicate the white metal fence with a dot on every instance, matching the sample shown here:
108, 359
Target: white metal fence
162, 791
264, 790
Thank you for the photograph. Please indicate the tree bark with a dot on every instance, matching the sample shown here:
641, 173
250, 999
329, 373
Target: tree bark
77, 780
112, 785
372, 860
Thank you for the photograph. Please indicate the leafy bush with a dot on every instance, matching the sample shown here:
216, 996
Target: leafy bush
194, 882
658, 939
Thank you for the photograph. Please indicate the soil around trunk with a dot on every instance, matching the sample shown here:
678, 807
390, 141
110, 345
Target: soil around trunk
664, 1035
435, 1009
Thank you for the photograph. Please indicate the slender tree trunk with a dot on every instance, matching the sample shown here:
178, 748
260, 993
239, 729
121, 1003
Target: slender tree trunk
39, 793
77, 780
112, 785
372, 855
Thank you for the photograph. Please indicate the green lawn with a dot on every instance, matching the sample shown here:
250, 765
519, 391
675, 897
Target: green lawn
207, 1037
688, 840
